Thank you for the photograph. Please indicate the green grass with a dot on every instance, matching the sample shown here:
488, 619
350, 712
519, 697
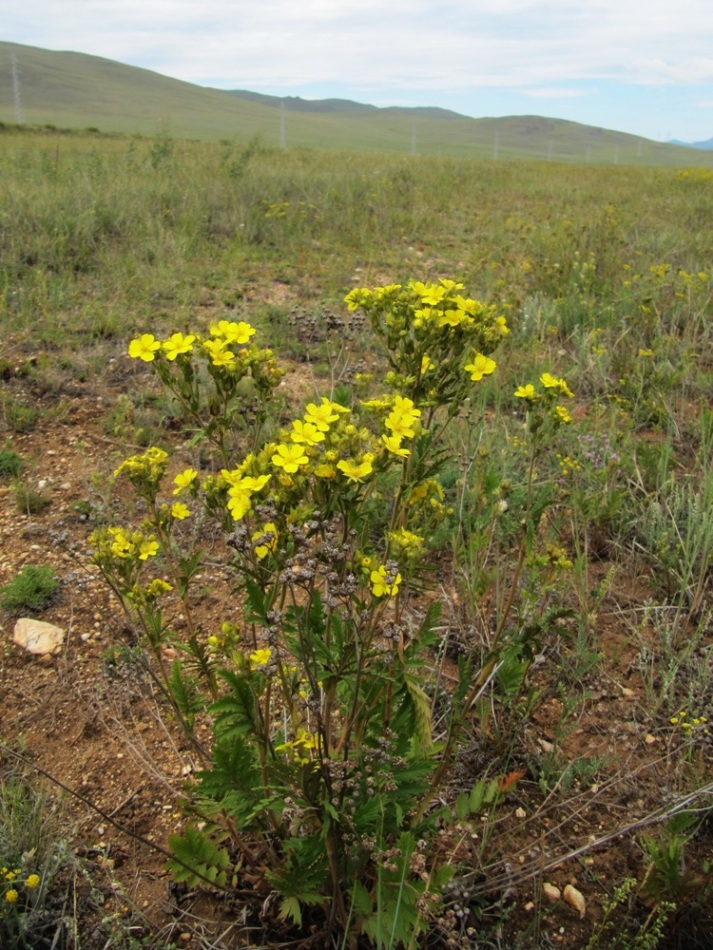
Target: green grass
32, 589
604, 275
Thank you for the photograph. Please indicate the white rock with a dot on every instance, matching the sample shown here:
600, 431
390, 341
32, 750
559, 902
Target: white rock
551, 892
37, 636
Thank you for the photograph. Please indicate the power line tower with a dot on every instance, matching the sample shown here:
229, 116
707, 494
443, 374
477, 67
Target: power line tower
16, 99
283, 133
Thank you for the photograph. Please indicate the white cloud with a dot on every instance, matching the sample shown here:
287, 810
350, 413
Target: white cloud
454, 44
395, 50
556, 93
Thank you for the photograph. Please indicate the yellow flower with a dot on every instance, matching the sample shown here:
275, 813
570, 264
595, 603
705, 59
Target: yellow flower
380, 585
11, 896
219, 355
526, 392
179, 511
260, 657
306, 432
432, 294
32, 881
393, 445
404, 406
184, 480
426, 364
452, 318
238, 502
147, 549
423, 316
324, 470
144, 347
268, 536
562, 414
406, 543
356, 471
252, 485
231, 332
549, 381
643, 352
449, 284
401, 426
324, 415
553, 382
480, 366
501, 324
176, 344
157, 587
354, 299
121, 546
290, 458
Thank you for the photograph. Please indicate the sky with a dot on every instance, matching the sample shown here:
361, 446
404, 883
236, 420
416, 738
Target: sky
638, 66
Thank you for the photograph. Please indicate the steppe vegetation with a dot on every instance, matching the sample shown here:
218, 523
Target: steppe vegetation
399, 471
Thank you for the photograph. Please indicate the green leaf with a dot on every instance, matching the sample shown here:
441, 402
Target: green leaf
422, 714
477, 797
257, 601
236, 714
462, 806
290, 907
197, 859
189, 565
361, 899
185, 694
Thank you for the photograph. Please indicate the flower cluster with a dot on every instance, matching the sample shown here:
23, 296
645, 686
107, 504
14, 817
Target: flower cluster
438, 341
12, 884
223, 335
130, 544
300, 747
402, 424
122, 554
218, 380
145, 471
552, 388
690, 724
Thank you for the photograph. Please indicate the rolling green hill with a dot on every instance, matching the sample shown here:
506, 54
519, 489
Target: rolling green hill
77, 91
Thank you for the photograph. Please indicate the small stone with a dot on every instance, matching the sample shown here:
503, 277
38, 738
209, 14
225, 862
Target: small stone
520, 812
649, 739
627, 693
551, 892
546, 746
37, 636
575, 899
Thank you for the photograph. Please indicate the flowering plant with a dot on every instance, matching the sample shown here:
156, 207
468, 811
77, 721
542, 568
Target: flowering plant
323, 760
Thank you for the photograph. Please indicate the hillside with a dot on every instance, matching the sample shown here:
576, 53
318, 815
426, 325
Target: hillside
76, 91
